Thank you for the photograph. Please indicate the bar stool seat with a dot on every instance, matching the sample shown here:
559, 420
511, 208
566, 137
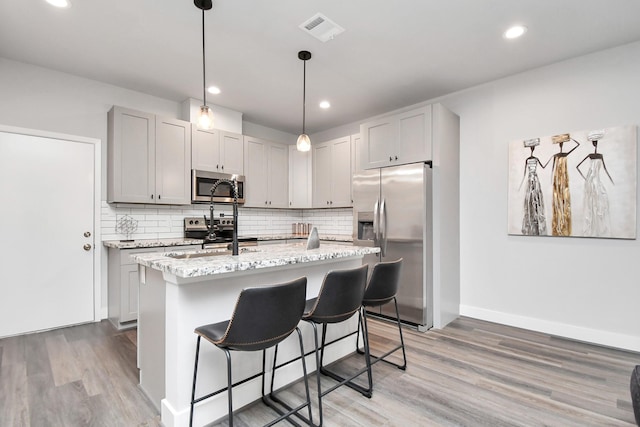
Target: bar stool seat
262, 318
382, 289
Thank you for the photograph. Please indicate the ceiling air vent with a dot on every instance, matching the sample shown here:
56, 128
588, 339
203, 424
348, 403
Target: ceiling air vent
321, 27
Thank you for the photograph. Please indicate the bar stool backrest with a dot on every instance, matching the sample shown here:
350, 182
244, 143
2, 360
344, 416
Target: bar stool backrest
384, 282
265, 315
340, 295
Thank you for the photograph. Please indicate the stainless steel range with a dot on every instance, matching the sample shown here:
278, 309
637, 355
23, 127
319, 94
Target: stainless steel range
197, 228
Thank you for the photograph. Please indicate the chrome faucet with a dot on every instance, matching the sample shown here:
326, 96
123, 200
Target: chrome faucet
211, 227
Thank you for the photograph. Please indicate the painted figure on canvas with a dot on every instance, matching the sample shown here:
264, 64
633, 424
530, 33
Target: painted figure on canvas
596, 200
561, 209
534, 222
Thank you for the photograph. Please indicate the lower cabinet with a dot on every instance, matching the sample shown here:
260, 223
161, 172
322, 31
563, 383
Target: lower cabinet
123, 284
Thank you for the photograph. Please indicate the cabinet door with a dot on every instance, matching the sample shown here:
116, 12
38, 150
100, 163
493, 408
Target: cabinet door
173, 161
129, 284
414, 135
278, 175
321, 175
300, 178
356, 163
205, 149
131, 156
379, 138
255, 166
341, 173
232, 153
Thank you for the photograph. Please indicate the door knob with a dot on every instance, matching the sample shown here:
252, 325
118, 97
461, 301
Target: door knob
87, 247
87, 234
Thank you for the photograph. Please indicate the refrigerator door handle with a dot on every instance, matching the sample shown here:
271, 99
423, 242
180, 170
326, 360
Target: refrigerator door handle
383, 229
376, 230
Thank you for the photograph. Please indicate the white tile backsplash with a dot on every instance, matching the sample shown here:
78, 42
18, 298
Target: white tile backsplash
156, 222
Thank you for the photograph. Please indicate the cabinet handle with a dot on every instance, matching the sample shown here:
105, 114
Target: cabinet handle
152, 197
390, 158
87, 234
87, 247
331, 202
217, 166
222, 167
396, 157
159, 197
327, 202
269, 202
266, 203
289, 203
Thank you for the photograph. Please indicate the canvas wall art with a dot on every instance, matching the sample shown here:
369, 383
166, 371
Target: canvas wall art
574, 184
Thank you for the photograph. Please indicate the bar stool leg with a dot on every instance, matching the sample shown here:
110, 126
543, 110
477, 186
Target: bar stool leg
193, 388
229, 386
401, 346
367, 392
404, 355
273, 398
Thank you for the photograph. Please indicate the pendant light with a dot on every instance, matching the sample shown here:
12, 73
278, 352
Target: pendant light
304, 143
205, 116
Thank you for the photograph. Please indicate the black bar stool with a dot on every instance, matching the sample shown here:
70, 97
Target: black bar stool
262, 318
382, 289
340, 297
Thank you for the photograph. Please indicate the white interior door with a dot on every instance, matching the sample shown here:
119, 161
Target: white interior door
47, 193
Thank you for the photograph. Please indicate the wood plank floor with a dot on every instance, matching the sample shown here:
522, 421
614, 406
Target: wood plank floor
472, 373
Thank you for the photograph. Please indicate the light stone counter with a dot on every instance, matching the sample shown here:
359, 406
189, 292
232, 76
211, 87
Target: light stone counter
178, 295
150, 243
250, 258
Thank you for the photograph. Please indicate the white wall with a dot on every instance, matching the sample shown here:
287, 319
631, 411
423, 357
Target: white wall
587, 289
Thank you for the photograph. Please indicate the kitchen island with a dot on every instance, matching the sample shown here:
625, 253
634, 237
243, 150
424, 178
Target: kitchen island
180, 291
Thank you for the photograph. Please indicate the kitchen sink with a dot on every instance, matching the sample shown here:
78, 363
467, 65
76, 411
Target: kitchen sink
212, 253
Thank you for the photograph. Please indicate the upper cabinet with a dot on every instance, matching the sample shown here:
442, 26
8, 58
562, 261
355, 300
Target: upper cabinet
266, 166
300, 178
149, 158
332, 173
397, 139
217, 151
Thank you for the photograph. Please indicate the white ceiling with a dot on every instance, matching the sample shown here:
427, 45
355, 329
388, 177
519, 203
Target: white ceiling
393, 53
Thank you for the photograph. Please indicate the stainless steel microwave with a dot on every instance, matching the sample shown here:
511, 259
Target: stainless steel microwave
203, 181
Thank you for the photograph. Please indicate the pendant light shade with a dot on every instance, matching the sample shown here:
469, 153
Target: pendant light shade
205, 115
304, 143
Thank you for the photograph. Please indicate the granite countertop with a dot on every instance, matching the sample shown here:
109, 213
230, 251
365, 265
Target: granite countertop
325, 237
250, 258
159, 243
150, 243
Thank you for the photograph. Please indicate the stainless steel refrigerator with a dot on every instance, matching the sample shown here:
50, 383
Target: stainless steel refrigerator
392, 207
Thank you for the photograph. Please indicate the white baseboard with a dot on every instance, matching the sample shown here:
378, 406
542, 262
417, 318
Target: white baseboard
595, 336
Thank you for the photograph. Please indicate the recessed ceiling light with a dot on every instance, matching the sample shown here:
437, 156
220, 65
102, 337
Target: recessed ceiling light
59, 3
213, 90
515, 32
325, 104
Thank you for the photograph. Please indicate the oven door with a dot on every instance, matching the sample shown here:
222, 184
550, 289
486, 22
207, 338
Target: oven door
203, 181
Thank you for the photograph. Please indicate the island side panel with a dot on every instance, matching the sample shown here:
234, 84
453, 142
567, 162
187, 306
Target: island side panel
151, 333
212, 299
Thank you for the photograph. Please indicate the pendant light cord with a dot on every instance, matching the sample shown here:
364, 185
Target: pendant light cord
204, 80
304, 94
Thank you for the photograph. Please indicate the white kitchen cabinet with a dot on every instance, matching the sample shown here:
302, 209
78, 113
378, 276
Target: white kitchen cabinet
356, 160
266, 168
397, 139
123, 286
149, 158
300, 178
332, 173
173, 161
216, 150
123, 283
